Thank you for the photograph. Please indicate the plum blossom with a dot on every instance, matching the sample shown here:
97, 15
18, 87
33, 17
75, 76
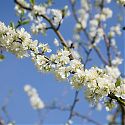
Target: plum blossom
35, 100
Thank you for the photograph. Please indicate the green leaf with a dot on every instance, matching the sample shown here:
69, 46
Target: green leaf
12, 25
118, 82
24, 22
2, 57
50, 2
32, 2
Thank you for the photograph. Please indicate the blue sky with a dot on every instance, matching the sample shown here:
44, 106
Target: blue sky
15, 73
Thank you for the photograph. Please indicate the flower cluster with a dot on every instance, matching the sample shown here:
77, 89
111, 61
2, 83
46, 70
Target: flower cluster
56, 16
98, 83
35, 100
106, 13
83, 13
96, 31
120, 90
39, 9
122, 2
38, 28
108, 1
61, 58
115, 30
83, 16
117, 61
19, 9
38, 25
94, 25
19, 42
15, 41
56, 42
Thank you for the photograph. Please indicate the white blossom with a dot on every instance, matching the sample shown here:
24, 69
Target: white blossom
36, 28
97, 80
57, 16
19, 9
56, 42
83, 13
115, 30
120, 90
113, 71
108, 1
39, 9
35, 100
117, 61
122, 2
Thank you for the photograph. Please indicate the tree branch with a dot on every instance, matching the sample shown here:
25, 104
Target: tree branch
101, 57
76, 114
73, 106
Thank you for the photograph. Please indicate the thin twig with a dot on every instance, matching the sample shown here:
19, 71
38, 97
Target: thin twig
75, 114
73, 106
87, 36
115, 115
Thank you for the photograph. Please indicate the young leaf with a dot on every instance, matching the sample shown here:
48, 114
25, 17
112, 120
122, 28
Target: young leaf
32, 2
24, 22
2, 57
12, 25
118, 82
